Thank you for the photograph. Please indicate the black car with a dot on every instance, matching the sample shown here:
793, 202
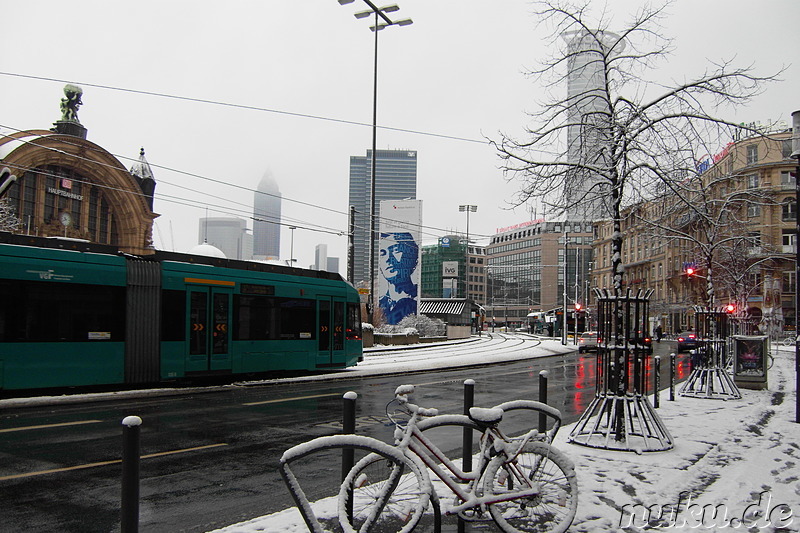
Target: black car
687, 340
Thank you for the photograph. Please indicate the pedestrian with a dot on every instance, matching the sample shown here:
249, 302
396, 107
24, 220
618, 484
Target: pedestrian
659, 332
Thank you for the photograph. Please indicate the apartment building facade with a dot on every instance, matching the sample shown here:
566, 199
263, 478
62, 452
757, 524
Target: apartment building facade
736, 225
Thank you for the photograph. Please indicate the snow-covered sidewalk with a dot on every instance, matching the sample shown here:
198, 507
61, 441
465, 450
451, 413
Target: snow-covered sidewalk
735, 467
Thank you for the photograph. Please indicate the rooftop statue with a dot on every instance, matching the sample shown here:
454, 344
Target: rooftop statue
70, 104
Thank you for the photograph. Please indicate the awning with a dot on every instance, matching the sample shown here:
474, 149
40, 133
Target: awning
441, 307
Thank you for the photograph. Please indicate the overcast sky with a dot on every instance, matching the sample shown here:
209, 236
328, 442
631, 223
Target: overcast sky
457, 75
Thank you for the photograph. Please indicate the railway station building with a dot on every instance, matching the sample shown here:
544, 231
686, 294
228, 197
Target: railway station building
68, 186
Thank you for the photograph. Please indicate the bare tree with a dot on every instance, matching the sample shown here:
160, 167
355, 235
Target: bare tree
615, 138
8, 217
630, 136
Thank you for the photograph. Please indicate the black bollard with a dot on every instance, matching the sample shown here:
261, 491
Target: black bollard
657, 379
466, 446
466, 440
543, 398
130, 474
672, 377
348, 428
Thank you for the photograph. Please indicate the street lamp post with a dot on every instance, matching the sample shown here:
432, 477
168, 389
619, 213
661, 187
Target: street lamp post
796, 154
468, 209
379, 13
291, 246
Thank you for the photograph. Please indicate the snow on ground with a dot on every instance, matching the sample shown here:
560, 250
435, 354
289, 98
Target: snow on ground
738, 458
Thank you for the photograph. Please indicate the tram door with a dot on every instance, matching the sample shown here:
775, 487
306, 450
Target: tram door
331, 331
209, 331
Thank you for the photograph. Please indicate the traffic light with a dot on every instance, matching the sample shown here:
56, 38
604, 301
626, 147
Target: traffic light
730, 308
690, 271
578, 307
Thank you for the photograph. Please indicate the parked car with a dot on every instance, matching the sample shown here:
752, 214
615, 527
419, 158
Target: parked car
687, 340
587, 342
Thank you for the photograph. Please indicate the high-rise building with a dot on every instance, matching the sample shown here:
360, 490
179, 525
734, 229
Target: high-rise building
585, 191
395, 179
267, 219
229, 234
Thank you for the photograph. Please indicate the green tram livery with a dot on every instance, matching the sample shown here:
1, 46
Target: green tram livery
76, 314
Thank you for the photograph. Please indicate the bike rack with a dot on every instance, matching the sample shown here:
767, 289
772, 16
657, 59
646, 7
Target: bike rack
620, 417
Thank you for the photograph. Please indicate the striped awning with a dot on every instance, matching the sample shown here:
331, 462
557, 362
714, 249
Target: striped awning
442, 307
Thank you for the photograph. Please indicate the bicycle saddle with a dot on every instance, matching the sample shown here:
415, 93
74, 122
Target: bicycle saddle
485, 416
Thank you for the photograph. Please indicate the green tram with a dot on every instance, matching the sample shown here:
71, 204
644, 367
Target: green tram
76, 314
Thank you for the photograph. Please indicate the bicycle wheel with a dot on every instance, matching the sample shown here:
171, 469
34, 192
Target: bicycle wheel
539, 466
387, 495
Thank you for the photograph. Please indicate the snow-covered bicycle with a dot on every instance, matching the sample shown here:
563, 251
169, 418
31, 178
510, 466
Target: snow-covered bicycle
523, 483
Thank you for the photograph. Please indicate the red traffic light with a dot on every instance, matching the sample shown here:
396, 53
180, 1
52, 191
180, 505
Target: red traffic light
689, 271
578, 307
730, 308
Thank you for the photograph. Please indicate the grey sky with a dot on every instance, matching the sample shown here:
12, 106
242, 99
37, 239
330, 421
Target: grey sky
458, 71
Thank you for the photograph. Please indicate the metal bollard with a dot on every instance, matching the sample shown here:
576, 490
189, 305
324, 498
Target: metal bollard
348, 428
672, 377
466, 443
657, 379
543, 375
130, 474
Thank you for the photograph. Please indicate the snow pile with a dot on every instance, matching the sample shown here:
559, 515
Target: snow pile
734, 467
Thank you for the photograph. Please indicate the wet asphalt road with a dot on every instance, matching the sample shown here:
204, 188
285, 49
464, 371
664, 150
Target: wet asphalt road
209, 458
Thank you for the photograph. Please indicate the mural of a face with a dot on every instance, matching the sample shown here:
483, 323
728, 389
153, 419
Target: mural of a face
397, 257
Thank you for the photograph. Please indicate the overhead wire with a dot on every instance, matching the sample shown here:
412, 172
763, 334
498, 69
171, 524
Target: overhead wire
435, 232
429, 231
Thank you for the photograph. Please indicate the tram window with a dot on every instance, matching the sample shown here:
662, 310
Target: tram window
271, 318
298, 320
60, 312
173, 313
338, 325
353, 324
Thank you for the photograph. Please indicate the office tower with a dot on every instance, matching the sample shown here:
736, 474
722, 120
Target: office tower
321, 257
322, 261
395, 179
585, 192
267, 223
229, 234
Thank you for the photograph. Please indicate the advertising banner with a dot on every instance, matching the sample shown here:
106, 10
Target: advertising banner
399, 259
449, 269
750, 360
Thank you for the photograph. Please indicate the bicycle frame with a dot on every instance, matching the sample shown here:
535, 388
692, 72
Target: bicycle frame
426, 451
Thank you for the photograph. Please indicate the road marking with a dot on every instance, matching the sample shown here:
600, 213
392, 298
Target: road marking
45, 426
106, 463
296, 398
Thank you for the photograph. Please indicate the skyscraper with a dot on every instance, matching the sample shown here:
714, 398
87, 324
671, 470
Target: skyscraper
228, 234
395, 179
589, 52
267, 219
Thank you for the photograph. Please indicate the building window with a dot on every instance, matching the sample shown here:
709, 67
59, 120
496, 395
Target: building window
789, 210
787, 178
788, 239
752, 154
786, 148
753, 210
752, 181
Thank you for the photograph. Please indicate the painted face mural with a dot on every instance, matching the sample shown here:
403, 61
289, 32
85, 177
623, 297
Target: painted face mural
397, 259
397, 256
